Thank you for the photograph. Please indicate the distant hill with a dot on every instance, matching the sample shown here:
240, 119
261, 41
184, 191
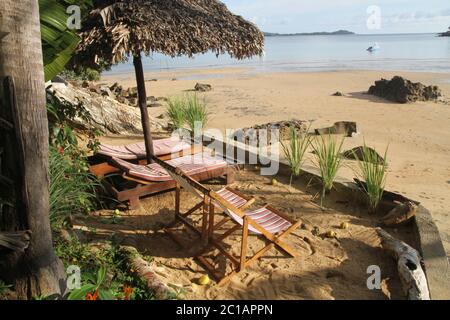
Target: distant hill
445, 34
335, 33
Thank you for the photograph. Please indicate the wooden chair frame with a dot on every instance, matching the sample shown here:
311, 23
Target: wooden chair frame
208, 227
145, 188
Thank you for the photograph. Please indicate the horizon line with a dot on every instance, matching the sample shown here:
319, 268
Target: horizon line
354, 33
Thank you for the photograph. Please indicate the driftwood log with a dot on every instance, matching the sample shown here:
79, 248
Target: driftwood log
409, 267
146, 272
400, 214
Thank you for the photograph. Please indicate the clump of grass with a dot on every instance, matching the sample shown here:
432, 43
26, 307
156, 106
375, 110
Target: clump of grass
295, 150
328, 159
373, 172
72, 187
176, 112
196, 112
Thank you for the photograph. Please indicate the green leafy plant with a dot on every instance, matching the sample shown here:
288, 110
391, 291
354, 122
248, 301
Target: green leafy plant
196, 112
95, 287
121, 280
176, 112
328, 159
72, 187
58, 41
373, 171
81, 74
4, 287
61, 116
295, 150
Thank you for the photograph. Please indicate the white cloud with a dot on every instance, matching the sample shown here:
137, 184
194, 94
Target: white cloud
329, 15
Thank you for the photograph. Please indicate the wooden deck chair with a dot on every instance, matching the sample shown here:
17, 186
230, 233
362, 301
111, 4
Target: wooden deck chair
153, 178
266, 222
165, 149
205, 203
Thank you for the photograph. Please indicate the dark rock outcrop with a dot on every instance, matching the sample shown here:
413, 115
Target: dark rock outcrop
357, 153
402, 90
347, 128
445, 34
256, 133
202, 87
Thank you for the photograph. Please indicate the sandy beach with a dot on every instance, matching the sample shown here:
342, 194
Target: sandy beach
418, 134
324, 269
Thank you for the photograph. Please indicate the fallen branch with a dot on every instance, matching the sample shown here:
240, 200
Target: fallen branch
146, 272
410, 270
400, 214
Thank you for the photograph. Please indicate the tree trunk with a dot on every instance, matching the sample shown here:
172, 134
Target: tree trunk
142, 101
36, 271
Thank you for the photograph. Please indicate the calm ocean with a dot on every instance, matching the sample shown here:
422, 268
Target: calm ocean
399, 52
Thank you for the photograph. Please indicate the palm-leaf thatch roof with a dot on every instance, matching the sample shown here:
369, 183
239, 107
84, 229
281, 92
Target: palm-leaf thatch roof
117, 29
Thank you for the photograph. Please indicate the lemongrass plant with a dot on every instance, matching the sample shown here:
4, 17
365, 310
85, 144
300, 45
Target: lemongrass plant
196, 112
176, 112
328, 159
295, 150
373, 171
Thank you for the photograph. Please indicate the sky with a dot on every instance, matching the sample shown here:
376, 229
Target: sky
360, 16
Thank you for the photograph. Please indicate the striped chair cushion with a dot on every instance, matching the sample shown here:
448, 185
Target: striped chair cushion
137, 150
191, 164
267, 219
232, 197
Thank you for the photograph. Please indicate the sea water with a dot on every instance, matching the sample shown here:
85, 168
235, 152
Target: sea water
398, 52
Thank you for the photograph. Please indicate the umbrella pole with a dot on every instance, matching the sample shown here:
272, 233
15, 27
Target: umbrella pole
142, 102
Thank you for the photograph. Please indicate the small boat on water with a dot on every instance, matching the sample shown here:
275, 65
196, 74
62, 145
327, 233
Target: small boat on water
374, 48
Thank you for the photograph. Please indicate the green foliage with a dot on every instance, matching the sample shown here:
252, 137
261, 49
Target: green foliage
188, 109
196, 112
374, 174
4, 287
58, 41
111, 282
72, 187
61, 116
81, 74
95, 286
176, 112
295, 150
328, 159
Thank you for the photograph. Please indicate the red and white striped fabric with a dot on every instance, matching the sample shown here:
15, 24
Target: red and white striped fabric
191, 164
232, 198
226, 194
264, 217
137, 150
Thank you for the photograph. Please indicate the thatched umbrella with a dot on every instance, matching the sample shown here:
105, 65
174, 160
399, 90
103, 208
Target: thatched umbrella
116, 30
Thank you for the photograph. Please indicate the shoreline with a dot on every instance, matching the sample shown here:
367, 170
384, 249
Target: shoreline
192, 73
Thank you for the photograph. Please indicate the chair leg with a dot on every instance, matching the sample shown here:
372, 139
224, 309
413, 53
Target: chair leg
211, 221
133, 203
177, 199
243, 259
205, 219
283, 245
